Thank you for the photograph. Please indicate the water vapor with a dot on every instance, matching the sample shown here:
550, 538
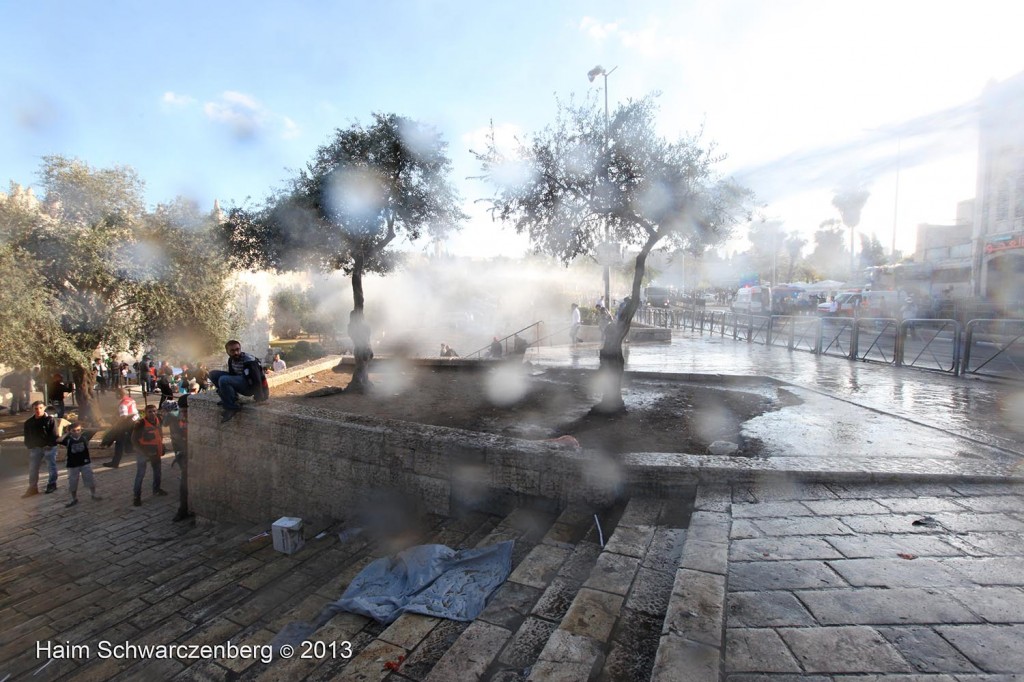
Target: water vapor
860, 161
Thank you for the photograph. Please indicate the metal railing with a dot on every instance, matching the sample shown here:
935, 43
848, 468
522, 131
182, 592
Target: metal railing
930, 344
989, 348
508, 342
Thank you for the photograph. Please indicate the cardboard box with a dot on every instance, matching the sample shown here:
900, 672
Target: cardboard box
287, 534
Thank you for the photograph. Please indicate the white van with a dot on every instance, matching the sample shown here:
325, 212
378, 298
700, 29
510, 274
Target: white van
750, 300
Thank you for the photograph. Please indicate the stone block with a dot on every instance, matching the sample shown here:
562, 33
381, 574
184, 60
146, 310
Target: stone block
993, 648
804, 525
783, 548
770, 510
675, 654
613, 573
926, 650
592, 614
540, 566
631, 540
567, 647
408, 630
766, 610
710, 557
889, 546
897, 573
757, 650
856, 649
471, 654
868, 606
695, 610
781, 575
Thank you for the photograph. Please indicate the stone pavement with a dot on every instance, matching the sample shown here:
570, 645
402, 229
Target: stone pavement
782, 579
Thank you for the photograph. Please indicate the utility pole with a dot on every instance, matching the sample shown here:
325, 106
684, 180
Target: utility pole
591, 75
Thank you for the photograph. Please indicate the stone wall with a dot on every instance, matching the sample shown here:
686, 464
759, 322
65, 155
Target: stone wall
284, 459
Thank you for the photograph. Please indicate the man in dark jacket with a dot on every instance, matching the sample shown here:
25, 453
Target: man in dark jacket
41, 441
244, 376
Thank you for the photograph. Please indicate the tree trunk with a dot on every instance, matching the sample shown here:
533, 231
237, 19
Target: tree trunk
613, 361
359, 332
85, 379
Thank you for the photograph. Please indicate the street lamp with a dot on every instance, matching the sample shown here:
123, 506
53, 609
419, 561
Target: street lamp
591, 75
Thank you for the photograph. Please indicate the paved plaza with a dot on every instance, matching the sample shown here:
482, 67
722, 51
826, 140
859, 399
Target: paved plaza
911, 574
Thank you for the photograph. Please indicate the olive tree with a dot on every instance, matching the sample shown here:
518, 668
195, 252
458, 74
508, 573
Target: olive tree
363, 190
583, 175
104, 271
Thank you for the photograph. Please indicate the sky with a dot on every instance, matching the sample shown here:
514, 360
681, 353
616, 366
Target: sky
226, 100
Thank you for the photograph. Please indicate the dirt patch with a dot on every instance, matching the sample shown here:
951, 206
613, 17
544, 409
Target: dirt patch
527, 402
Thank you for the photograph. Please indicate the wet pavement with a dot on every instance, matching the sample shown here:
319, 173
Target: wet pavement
848, 410
775, 580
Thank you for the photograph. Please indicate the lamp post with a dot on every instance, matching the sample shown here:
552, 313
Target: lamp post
591, 75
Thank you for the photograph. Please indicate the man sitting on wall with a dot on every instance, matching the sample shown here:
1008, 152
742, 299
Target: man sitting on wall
244, 376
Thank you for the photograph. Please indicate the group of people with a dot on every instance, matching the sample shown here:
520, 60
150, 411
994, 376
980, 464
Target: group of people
134, 433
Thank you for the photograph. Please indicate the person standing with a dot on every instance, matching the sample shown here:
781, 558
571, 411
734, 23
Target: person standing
148, 440
101, 375
179, 441
78, 462
120, 434
576, 322
57, 389
278, 364
41, 440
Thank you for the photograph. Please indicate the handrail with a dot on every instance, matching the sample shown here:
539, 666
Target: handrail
506, 338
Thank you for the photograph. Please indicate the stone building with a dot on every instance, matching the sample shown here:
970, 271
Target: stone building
998, 231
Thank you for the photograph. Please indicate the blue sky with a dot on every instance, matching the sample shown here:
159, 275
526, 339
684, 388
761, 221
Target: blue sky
219, 100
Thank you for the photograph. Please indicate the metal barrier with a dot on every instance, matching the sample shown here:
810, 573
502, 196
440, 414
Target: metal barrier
932, 344
796, 332
838, 337
988, 348
994, 348
877, 340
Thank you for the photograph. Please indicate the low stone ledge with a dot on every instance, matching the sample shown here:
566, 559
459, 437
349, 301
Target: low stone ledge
285, 459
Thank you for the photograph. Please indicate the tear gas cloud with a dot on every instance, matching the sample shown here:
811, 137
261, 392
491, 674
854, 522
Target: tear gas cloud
461, 302
861, 161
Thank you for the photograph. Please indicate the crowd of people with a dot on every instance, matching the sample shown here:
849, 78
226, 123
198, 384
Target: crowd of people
129, 431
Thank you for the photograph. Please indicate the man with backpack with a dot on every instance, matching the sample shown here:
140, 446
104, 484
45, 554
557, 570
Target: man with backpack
244, 376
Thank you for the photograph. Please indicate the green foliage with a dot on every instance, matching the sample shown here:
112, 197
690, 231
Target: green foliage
361, 191
872, 252
830, 258
564, 185
27, 314
290, 308
110, 273
303, 351
580, 179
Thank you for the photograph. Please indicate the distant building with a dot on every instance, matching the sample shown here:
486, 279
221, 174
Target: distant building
998, 230
945, 254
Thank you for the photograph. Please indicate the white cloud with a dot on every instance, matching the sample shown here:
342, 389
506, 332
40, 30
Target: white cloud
176, 100
597, 30
247, 117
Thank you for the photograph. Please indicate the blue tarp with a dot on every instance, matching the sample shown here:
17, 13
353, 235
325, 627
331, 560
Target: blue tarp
430, 579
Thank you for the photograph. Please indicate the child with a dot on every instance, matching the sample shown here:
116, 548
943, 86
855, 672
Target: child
148, 439
77, 443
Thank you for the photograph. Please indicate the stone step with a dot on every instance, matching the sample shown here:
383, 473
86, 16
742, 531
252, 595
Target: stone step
423, 642
351, 557
507, 637
611, 629
692, 636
